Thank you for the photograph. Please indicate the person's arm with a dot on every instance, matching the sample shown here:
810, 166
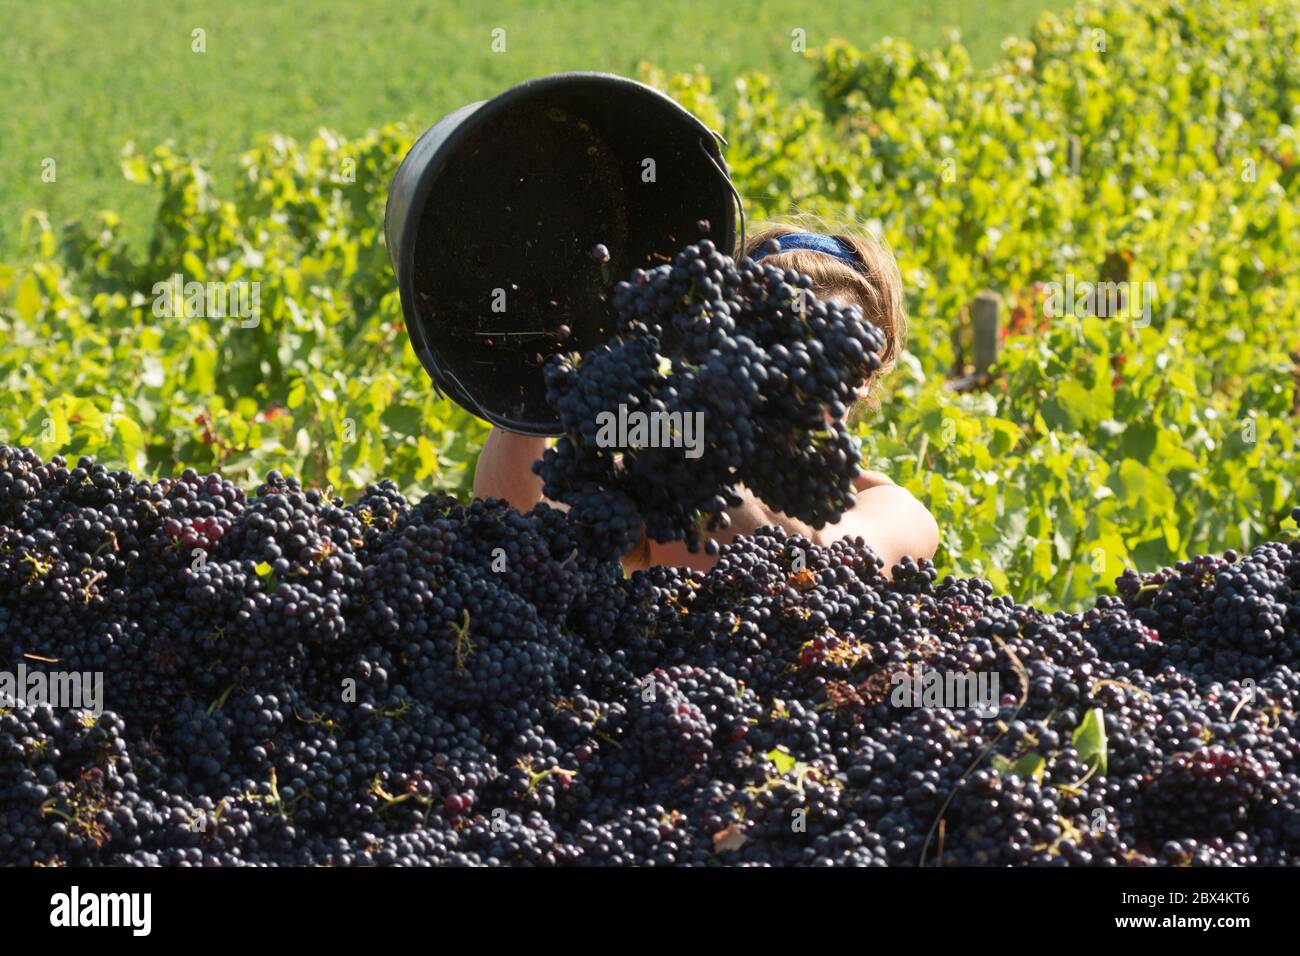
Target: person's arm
505, 469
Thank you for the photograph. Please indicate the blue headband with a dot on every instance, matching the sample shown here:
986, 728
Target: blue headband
813, 242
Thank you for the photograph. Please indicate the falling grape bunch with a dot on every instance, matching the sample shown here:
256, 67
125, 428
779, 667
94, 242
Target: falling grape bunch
741, 358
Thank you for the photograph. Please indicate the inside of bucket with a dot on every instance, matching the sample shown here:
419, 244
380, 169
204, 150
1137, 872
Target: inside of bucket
503, 261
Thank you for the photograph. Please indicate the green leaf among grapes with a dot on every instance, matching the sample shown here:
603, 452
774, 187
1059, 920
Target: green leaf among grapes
1090, 739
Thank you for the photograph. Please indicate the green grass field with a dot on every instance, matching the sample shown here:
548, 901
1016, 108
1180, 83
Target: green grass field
80, 79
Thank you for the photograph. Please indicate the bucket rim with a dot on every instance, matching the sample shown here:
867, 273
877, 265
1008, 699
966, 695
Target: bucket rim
471, 116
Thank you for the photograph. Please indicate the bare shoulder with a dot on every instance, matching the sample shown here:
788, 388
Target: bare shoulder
871, 479
891, 521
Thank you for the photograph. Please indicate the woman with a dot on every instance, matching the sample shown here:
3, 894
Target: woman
846, 267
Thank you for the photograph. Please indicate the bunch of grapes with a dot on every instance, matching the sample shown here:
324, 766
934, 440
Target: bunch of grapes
740, 376
1204, 793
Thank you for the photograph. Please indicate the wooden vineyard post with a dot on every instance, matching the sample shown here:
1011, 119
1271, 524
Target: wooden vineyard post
986, 337
985, 318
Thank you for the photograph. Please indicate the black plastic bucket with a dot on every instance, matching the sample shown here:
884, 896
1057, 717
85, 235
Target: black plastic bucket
493, 215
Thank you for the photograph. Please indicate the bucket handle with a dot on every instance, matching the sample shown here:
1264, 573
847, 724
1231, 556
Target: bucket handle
740, 206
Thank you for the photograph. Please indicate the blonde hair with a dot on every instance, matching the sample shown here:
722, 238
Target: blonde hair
876, 287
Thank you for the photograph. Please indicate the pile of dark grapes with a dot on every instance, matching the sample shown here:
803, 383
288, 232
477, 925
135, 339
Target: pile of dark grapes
743, 353
289, 679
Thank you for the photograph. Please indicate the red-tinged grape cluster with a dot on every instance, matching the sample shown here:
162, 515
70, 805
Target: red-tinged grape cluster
669, 729
1205, 793
486, 692
739, 376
